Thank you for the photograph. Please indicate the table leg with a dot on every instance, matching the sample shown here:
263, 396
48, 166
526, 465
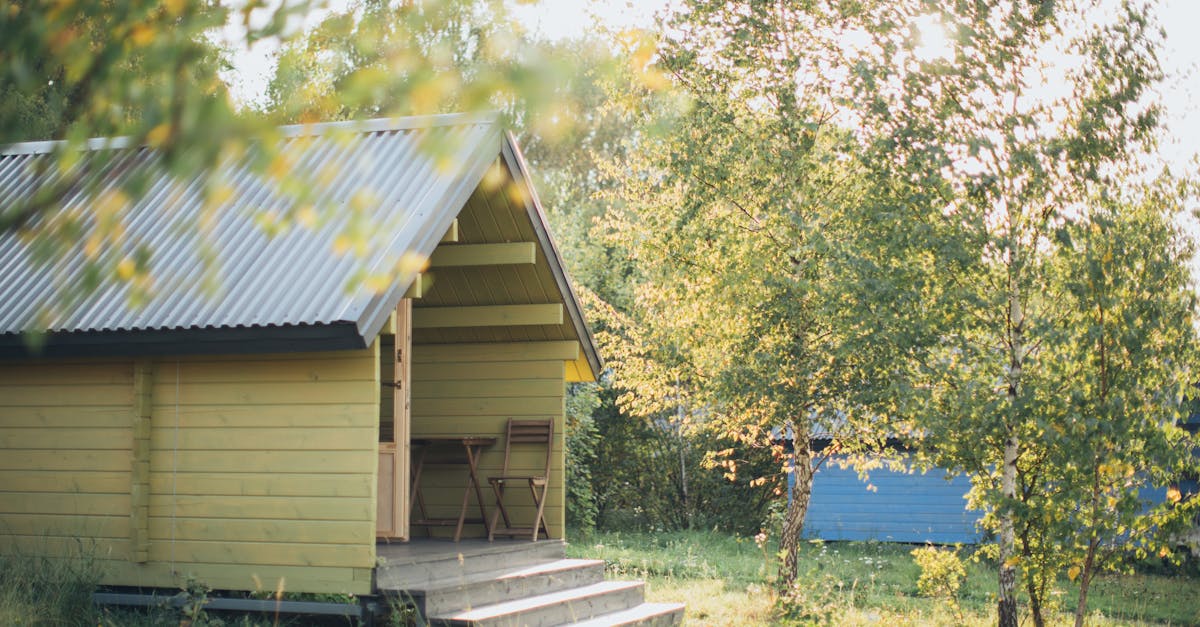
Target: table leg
417, 497
462, 512
473, 481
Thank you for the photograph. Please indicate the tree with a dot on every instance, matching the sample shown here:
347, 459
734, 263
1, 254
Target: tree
145, 70
997, 166
1121, 362
730, 215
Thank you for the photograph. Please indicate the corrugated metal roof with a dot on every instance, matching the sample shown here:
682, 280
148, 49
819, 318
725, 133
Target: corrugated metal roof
294, 279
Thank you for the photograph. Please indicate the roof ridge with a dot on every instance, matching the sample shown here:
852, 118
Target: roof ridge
371, 125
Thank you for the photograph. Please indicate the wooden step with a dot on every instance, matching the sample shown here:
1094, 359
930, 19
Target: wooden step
556, 608
647, 614
416, 567
454, 595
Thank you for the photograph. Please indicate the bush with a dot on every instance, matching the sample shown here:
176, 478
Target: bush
650, 475
582, 439
942, 574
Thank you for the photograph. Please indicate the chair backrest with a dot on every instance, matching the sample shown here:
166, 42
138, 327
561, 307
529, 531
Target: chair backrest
531, 432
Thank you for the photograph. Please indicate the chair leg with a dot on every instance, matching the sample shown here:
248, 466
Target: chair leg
539, 521
498, 489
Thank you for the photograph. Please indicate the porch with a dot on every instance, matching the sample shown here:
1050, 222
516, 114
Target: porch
510, 582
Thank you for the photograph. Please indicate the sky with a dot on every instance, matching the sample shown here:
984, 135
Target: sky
569, 18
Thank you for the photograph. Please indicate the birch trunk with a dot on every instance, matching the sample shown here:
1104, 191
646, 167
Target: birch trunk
1007, 610
793, 522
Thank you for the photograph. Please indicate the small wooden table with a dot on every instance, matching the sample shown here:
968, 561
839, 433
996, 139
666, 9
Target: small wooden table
471, 446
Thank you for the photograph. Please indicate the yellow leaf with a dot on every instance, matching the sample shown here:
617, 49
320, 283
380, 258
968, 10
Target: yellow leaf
378, 283
1012, 562
307, 216
412, 262
174, 7
219, 195
111, 203
1073, 573
280, 166
92, 248
1173, 494
158, 135
125, 269
141, 35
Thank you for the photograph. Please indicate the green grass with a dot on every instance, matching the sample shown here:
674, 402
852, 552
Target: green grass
727, 580
723, 579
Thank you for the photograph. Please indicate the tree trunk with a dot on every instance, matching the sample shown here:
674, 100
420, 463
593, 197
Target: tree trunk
793, 522
1085, 581
1007, 610
1035, 604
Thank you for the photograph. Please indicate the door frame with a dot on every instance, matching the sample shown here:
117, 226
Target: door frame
392, 506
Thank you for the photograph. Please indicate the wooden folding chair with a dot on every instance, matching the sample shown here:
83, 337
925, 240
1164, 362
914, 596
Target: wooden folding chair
524, 434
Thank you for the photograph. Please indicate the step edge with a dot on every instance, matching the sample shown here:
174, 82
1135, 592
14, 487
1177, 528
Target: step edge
541, 601
644, 610
505, 575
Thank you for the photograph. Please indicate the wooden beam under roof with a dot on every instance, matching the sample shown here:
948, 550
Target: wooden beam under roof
452, 232
513, 253
419, 287
487, 316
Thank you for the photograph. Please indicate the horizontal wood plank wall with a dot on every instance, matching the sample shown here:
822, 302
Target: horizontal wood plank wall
262, 468
66, 445
892, 506
266, 465
473, 389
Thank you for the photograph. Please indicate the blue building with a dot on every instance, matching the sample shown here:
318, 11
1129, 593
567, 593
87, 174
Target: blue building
891, 506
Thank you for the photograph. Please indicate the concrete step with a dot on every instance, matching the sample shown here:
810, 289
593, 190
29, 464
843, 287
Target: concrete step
405, 570
556, 608
648, 614
451, 595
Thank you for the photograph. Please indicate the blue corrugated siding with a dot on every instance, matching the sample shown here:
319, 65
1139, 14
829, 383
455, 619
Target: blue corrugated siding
902, 507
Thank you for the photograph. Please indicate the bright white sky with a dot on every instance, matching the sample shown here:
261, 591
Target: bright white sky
569, 18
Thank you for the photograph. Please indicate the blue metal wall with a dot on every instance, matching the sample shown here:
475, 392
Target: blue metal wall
902, 508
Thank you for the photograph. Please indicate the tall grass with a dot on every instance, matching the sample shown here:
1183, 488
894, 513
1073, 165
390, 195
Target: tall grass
38, 590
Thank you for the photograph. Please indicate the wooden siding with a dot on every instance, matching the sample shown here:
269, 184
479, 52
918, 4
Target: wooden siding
902, 507
474, 389
261, 468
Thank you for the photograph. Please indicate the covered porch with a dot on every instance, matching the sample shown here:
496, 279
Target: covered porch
489, 330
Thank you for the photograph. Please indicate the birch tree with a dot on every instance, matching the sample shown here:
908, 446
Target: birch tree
988, 149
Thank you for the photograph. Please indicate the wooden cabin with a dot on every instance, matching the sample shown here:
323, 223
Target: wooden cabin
256, 435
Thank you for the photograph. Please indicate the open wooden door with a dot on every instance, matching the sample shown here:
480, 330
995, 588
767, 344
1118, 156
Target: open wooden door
392, 503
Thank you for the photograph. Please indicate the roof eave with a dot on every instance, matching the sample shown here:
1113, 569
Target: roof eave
519, 170
191, 341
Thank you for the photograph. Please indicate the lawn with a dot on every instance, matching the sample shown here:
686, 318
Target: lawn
726, 580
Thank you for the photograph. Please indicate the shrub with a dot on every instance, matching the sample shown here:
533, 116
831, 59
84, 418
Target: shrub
814, 599
942, 573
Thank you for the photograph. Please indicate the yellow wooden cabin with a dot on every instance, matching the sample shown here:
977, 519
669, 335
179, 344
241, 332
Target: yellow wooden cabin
257, 436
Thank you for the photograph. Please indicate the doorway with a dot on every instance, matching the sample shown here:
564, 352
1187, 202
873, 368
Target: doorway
395, 376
